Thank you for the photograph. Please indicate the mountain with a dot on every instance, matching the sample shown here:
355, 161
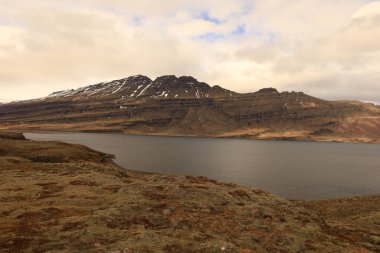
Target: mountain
171, 105
142, 87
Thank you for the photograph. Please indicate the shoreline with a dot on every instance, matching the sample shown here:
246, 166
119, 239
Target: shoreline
242, 137
163, 174
68, 197
290, 195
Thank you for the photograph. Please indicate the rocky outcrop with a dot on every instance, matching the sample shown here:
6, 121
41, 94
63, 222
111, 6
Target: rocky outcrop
12, 136
183, 106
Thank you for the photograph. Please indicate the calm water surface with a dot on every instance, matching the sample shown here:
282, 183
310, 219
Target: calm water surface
296, 170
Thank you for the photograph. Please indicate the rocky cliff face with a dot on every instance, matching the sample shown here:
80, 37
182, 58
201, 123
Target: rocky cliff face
172, 105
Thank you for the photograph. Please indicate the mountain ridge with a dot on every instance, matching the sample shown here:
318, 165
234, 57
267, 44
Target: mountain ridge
170, 105
140, 86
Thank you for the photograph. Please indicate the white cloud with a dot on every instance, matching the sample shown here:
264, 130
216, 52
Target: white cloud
325, 48
368, 11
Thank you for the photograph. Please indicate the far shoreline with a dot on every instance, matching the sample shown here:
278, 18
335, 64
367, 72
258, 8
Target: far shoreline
242, 137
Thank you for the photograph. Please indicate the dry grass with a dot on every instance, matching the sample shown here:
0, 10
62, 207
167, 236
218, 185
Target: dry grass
357, 219
56, 197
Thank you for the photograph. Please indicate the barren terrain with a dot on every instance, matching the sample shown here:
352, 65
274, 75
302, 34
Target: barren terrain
172, 105
58, 197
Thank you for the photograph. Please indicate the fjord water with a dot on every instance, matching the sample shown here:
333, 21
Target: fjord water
292, 169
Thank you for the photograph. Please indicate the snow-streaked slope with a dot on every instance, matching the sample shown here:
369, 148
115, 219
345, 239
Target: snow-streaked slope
142, 87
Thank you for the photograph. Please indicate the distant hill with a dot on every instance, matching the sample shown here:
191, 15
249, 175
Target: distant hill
171, 105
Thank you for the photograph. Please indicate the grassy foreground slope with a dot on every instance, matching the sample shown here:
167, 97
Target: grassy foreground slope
57, 197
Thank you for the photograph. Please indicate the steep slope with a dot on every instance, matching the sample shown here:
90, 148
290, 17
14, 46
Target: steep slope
58, 197
142, 87
172, 105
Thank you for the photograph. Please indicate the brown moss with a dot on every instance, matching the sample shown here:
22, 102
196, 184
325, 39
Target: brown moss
86, 205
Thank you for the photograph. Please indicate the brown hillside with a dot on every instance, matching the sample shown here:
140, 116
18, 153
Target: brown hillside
184, 106
57, 197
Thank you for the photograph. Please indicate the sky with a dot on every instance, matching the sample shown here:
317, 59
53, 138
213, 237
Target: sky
326, 48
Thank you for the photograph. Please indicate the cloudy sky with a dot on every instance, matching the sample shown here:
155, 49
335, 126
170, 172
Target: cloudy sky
327, 48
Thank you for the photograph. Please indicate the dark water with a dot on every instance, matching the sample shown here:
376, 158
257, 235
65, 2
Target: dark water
297, 170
